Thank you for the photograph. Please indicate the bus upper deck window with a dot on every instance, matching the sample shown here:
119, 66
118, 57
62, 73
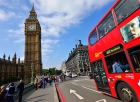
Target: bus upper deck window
125, 8
93, 38
106, 25
121, 17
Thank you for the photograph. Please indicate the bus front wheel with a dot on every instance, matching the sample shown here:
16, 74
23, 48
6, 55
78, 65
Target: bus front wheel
126, 93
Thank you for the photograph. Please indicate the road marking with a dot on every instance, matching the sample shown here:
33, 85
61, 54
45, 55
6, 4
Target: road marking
63, 84
89, 86
102, 100
73, 91
74, 83
91, 89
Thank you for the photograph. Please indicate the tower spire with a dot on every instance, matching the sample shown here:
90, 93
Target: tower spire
33, 10
33, 15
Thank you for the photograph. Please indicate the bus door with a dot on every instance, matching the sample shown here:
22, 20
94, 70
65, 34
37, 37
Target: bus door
100, 76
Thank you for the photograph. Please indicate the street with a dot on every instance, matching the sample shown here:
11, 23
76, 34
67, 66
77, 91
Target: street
82, 89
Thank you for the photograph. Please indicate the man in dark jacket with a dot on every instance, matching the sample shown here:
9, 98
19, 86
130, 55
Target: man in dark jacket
10, 92
20, 88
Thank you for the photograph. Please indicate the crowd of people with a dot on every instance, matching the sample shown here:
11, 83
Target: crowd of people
7, 92
42, 82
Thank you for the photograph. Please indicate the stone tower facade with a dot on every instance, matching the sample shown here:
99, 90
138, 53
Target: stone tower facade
32, 45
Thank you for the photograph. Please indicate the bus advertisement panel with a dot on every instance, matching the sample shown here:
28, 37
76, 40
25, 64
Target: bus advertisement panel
131, 30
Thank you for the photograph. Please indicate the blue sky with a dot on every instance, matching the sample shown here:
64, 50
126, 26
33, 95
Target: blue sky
62, 22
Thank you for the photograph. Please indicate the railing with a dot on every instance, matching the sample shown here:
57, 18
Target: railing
27, 88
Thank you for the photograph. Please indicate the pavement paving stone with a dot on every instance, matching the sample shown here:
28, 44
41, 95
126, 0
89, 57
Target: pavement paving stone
48, 94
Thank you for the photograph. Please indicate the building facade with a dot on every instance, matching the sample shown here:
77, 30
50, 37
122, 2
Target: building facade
78, 60
32, 56
63, 67
12, 67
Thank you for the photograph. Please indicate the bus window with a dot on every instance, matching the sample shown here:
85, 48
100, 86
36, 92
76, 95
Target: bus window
93, 38
125, 8
106, 25
135, 57
117, 63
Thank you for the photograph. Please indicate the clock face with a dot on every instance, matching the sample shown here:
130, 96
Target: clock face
31, 27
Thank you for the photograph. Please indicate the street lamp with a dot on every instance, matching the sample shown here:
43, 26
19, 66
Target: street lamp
32, 69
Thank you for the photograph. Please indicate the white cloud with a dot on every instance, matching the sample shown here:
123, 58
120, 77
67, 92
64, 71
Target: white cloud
6, 15
45, 58
19, 40
22, 58
25, 8
19, 33
9, 3
47, 46
16, 33
56, 15
6, 39
3, 3
50, 41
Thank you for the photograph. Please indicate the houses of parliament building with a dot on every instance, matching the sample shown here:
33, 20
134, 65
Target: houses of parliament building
32, 53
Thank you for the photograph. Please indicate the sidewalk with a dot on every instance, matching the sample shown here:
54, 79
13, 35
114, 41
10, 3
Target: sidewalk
48, 94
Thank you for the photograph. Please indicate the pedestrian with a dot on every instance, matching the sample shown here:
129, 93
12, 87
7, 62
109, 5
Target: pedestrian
20, 88
50, 80
39, 83
59, 78
54, 79
10, 92
46, 80
43, 82
35, 83
1, 97
65, 77
3, 93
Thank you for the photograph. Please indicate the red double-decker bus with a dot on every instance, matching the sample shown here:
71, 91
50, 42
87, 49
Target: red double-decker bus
114, 51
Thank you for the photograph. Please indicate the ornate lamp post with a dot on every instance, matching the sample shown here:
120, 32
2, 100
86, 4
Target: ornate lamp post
32, 69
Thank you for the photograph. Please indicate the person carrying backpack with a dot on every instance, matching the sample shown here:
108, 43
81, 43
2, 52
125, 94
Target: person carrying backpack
10, 92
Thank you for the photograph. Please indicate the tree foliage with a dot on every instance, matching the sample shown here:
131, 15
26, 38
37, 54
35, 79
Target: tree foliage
9, 80
51, 71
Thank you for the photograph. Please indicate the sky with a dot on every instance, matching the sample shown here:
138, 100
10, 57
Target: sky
63, 23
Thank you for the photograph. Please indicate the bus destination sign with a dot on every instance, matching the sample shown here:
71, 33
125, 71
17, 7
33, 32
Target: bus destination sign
112, 50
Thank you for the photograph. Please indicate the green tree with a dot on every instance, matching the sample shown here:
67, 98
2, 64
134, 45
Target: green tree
45, 71
51, 71
9, 80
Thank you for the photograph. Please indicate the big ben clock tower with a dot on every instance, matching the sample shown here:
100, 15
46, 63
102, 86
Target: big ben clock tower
33, 55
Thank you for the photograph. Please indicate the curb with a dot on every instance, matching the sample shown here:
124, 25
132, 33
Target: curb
55, 94
60, 95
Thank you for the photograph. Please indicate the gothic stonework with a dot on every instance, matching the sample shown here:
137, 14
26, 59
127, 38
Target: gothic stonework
32, 45
10, 68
